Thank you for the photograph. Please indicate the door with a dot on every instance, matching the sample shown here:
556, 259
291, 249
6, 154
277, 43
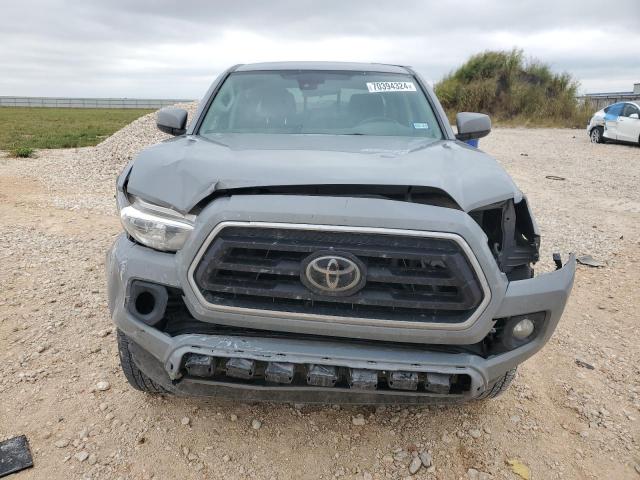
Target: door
611, 114
629, 123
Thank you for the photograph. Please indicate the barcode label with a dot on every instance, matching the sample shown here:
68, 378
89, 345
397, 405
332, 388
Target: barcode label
375, 87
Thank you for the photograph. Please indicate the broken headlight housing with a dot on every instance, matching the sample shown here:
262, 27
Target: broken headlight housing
512, 236
156, 227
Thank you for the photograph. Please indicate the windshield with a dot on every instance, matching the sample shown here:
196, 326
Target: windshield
321, 102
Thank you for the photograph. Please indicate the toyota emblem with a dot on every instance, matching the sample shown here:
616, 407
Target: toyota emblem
328, 273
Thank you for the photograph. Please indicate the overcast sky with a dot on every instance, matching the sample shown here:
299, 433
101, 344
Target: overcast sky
171, 49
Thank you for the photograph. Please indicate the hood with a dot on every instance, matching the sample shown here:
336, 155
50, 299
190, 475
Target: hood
181, 172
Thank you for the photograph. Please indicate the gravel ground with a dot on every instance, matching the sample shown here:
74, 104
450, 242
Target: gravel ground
61, 385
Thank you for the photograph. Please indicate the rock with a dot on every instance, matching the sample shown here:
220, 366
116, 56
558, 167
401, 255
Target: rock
256, 424
400, 456
62, 443
367, 476
415, 465
583, 364
473, 474
103, 406
104, 333
426, 459
234, 417
475, 433
81, 456
388, 459
226, 458
92, 459
103, 386
358, 420
185, 421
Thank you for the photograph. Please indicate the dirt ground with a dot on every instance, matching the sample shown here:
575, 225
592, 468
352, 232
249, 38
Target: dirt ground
560, 419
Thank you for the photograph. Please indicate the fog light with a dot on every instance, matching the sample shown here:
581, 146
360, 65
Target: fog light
523, 329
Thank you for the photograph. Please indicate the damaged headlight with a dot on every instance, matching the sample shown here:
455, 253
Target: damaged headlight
156, 227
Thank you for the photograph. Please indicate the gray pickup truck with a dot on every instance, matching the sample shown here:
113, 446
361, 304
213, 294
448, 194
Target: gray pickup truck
319, 234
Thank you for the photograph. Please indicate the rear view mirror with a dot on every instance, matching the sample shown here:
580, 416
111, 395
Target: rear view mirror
172, 121
472, 125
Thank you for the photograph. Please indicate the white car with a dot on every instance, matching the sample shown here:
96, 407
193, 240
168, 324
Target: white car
619, 122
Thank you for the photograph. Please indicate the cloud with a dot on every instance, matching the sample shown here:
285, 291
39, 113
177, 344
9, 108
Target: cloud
161, 49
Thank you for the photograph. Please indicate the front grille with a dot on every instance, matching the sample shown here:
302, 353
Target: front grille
408, 278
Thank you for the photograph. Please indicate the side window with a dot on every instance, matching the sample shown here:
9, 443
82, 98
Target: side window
629, 109
615, 110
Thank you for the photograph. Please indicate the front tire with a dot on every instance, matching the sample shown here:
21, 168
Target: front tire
597, 135
501, 385
136, 378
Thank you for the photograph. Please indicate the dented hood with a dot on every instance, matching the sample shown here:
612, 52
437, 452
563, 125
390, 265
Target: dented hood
180, 172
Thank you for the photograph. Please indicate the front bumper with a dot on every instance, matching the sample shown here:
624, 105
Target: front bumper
161, 356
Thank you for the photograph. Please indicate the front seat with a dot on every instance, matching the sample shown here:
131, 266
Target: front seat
276, 108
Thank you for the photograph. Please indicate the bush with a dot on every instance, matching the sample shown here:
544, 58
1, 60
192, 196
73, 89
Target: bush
22, 152
512, 90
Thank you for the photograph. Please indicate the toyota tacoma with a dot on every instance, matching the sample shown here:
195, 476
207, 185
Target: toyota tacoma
317, 233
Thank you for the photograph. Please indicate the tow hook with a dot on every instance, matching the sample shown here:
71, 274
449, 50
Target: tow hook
557, 259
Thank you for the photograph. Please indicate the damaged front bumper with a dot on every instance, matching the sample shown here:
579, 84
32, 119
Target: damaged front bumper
162, 357
414, 362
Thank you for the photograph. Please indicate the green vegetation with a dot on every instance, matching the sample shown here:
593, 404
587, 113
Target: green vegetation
514, 91
24, 128
22, 152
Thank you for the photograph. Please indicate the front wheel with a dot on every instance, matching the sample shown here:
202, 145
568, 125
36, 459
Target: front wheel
136, 378
596, 135
501, 385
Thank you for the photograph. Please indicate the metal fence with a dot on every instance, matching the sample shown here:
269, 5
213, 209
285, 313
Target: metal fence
59, 102
601, 100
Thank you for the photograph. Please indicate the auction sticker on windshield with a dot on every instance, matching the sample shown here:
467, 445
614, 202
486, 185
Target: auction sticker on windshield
375, 87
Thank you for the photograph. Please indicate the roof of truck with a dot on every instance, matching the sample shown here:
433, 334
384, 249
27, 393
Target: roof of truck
335, 66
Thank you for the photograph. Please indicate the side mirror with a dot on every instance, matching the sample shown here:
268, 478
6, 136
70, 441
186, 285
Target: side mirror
172, 121
472, 125
634, 115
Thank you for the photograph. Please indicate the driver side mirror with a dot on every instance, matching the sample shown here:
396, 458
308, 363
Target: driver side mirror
472, 125
634, 115
172, 121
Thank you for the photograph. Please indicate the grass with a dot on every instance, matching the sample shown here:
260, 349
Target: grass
514, 90
22, 152
24, 128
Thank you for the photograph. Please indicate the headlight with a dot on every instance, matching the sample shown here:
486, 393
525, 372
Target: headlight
156, 227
